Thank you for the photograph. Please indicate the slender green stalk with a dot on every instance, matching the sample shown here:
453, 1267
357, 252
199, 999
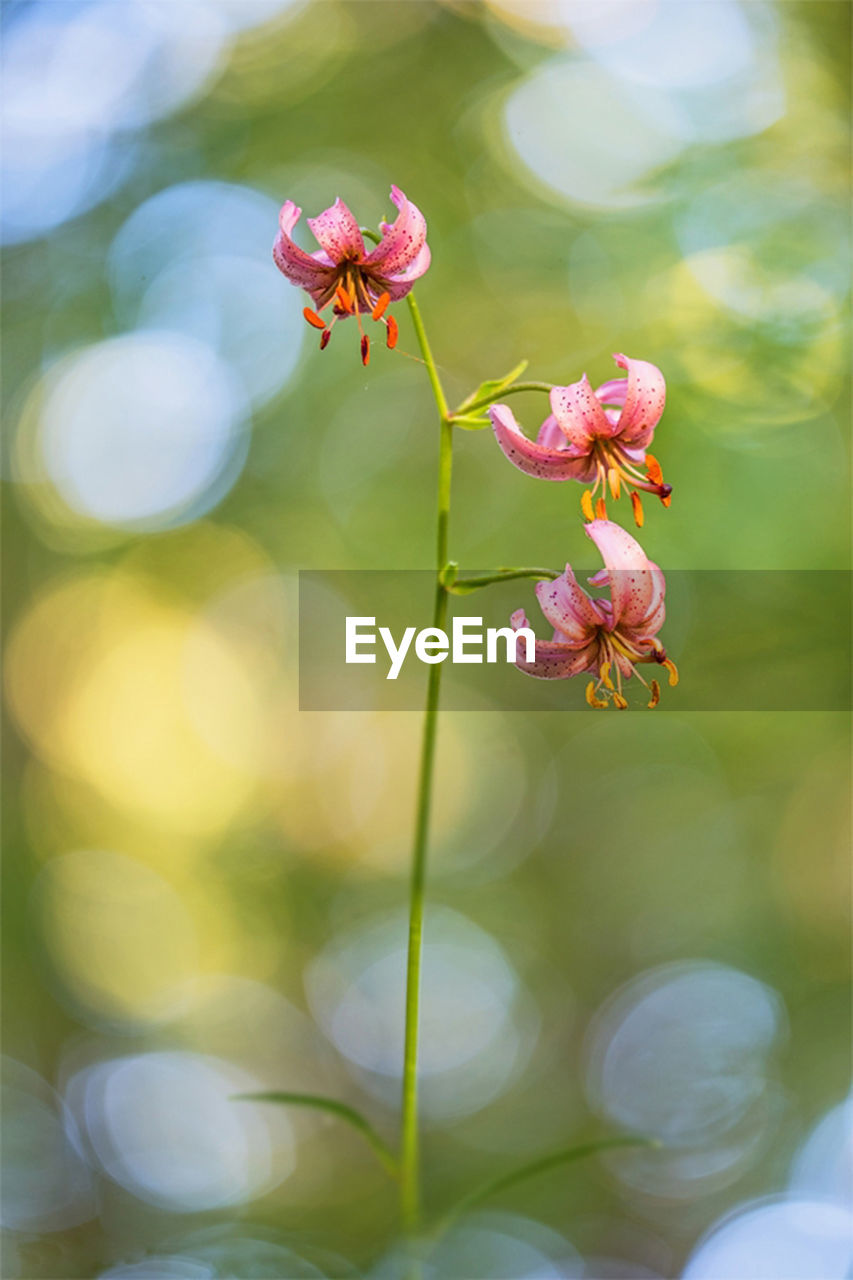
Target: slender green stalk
461, 586
410, 1193
499, 395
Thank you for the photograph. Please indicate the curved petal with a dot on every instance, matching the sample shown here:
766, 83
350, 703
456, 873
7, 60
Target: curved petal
336, 231
612, 392
550, 434
634, 586
399, 285
579, 413
299, 267
645, 398
529, 456
552, 437
555, 661
655, 615
568, 608
402, 241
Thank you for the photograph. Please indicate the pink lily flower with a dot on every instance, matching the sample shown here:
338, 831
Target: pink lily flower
605, 638
344, 274
599, 438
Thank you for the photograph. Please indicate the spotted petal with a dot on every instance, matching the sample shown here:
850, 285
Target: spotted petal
645, 397
300, 267
400, 284
336, 231
531, 457
568, 608
636, 585
580, 415
554, 660
402, 241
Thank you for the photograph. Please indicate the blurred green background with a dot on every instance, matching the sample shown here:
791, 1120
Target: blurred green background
637, 922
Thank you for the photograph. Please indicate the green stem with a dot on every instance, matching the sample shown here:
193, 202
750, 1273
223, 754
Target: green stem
461, 586
499, 395
410, 1194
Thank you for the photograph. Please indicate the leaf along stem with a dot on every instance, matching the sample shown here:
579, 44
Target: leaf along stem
532, 1169
340, 1109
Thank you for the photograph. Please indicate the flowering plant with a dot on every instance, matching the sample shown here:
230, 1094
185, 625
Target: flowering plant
599, 438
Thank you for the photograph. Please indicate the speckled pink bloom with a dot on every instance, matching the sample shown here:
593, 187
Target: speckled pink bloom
342, 273
606, 638
599, 438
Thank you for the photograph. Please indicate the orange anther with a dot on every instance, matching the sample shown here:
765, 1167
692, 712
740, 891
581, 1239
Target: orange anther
391, 336
637, 504
365, 349
653, 468
313, 318
655, 698
600, 510
673, 671
598, 703
344, 300
586, 505
324, 339
613, 481
604, 675
621, 703
666, 499
381, 303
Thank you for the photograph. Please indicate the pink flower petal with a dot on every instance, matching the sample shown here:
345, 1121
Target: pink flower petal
399, 285
299, 267
568, 608
612, 392
555, 661
529, 456
402, 241
579, 413
550, 435
336, 231
645, 398
635, 589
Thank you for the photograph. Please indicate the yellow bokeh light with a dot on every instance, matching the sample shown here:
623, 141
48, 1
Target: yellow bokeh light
119, 936
137, 697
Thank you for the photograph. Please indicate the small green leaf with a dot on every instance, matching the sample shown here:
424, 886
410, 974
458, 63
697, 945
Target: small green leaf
340, 1109
491, 388
448, 574
532, 1169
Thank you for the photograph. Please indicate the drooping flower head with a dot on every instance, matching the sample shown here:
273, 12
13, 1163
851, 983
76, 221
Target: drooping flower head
342, 273
606, 638
599, 438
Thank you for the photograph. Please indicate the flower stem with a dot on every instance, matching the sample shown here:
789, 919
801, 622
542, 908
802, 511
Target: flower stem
499, 395
461, 586
410, 1194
